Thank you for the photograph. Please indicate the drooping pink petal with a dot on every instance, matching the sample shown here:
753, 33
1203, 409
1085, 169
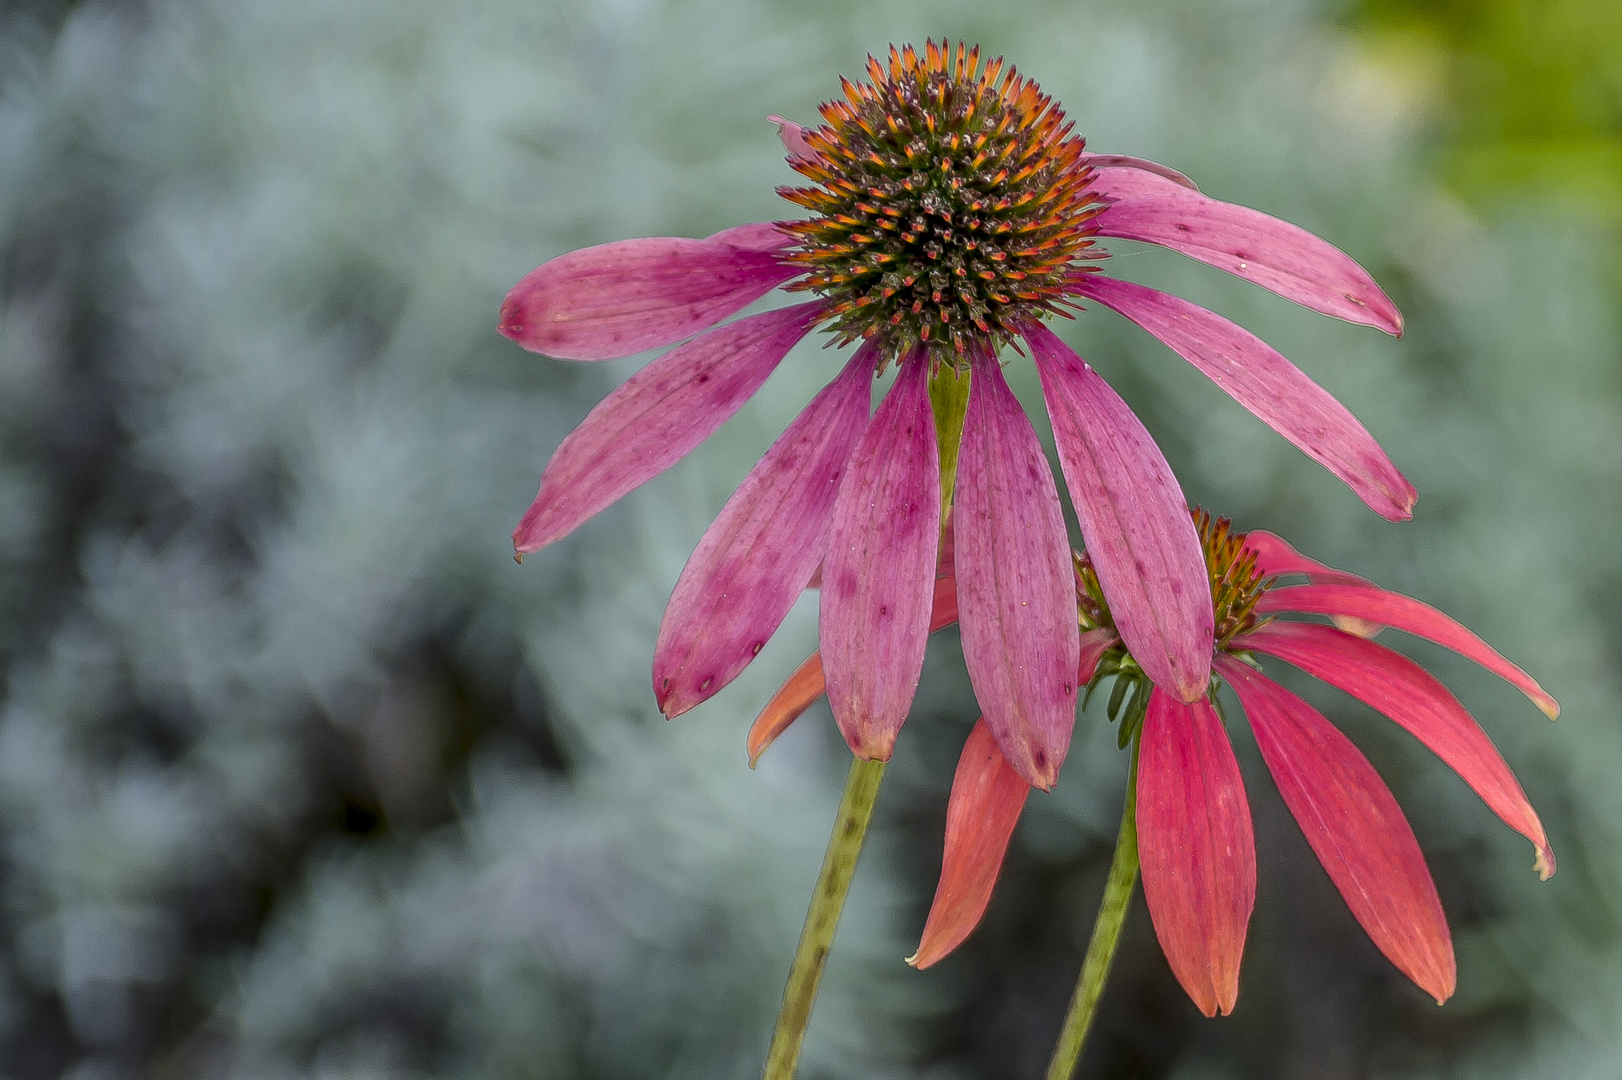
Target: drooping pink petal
621, 298
755, 559
793, 136
1016, 585
1267, 384
654, 419
1134, 519
755, 236
987, 797
1197, 847
1375, 605
1411, 696
807, 684
1119, 176
878, 574
1275, 556
1354, 827
1094, 644
1250, 244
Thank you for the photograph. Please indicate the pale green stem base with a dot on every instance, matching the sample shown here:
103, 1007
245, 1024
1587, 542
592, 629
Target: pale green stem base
816, 938
1123, 874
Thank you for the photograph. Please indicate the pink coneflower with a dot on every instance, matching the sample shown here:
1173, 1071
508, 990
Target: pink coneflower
954, 213
1193, 820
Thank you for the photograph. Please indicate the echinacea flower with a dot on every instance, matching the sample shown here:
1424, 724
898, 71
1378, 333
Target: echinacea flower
1193, 820
954, 212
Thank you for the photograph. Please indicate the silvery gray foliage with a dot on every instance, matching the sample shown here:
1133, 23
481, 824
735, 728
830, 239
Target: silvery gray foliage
301, 776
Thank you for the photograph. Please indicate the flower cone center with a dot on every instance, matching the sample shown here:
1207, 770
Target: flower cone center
951, 201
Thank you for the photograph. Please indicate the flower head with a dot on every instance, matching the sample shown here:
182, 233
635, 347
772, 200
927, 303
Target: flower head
953, 213
1193, 820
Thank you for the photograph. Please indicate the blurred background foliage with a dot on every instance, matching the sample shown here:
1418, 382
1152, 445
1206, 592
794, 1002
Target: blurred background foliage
301, 776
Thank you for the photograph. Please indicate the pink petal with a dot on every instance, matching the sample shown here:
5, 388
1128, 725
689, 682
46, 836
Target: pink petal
1196, 846
1411, 696
878, 573
753, 562
1274, 556
1133, 518
1016, 584
1248, 243
793, 136
1261, 380
1120, 177
807, 684
617, 299
1373, 605
1354, 826
987, 797
654, 419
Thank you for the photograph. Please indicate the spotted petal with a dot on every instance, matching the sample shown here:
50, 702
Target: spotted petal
987, 797
1133, 518
1249, 244
1373, 605
754, 560
1417, 701
656, 418
1197, 847
1016, 585
878, 576
621, 298
807, 684
1353, 825
1267, 384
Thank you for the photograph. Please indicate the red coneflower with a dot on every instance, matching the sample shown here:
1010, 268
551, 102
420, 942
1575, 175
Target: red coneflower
954, 212
1193, 820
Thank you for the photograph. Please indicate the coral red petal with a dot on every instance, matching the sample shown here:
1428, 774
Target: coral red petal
1374, 605
755, 559
1133, 518
1197, 847
797, 694
656, 418
1263, 381
879, 572
1353, 825
1094, 644
1015, 582
987, 797
1249, 244
621, 298
1415, 700
1274, 556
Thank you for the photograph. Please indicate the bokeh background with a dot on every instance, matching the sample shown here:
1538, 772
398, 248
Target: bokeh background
302, 776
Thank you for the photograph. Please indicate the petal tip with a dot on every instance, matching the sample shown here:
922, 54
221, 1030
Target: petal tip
1544, 864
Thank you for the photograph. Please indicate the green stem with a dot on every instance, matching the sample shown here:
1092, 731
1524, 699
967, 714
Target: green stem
816, 938
949, 398
1123, 874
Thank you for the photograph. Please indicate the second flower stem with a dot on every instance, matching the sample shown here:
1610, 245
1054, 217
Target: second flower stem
827, 900
1123, 875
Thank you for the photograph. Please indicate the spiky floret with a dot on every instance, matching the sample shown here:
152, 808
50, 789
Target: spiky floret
952, 202
1236, 582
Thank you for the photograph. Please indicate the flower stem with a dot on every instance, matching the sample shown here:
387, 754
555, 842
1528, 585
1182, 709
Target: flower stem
949, 397
816, 938
1123, 874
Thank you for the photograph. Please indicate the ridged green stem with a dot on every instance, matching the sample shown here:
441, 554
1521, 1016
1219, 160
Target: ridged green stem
1123, 874
817, 936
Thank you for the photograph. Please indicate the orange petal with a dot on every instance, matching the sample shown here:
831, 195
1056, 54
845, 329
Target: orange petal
795, 696
987, 796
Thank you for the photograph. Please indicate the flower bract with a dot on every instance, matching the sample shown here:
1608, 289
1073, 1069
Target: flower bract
953, 212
